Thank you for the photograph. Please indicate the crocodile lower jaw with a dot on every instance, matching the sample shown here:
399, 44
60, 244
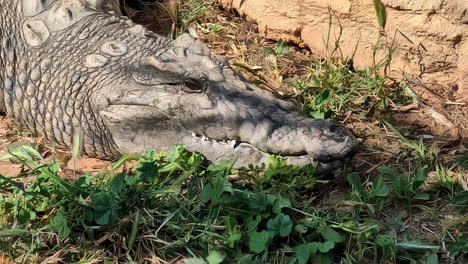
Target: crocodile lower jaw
244, 154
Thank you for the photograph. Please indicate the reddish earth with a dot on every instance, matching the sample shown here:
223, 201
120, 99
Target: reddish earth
9, 136
85, 164
6, 167
438, 74
429, 38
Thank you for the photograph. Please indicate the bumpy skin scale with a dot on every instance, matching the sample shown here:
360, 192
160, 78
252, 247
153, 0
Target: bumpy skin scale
67, 68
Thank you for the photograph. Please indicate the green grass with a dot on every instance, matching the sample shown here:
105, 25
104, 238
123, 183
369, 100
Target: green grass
178, 204
185, 13
333, 89
273, 55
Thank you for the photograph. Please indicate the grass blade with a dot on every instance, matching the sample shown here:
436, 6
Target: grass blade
77, 142
134, 230
416, 246
380, 11
13, 232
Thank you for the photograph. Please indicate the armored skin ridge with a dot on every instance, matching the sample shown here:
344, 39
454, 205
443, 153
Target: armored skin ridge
66, 67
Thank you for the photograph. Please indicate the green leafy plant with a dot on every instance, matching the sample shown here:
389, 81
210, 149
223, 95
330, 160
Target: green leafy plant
428, 155
334, 86
185, 13
406, 187
286, 180
372, 195
179, 204
388, 246
391, 249
92, 206
458, 247
331, 89
273, 56
317, 250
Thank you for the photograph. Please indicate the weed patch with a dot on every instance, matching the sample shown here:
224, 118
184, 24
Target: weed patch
332, 90
177, 204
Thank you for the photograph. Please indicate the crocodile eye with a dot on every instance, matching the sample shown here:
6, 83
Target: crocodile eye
192, 86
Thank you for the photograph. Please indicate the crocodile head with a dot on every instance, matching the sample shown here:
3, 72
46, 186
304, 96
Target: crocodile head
183, 94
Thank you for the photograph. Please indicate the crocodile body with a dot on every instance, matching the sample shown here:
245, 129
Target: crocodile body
67, 68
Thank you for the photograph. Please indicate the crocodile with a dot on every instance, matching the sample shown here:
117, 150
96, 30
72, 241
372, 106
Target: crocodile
68, 67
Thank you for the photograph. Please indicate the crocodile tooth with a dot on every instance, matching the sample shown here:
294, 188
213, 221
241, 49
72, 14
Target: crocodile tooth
233, 143
194, 135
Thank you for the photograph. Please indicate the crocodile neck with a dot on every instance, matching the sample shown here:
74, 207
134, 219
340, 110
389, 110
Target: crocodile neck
42, 76
12, 49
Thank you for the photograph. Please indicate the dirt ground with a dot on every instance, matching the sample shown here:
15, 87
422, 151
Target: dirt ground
441, 123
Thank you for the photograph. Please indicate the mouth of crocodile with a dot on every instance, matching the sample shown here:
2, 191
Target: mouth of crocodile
121, 117
205, 141
235, 147
235, 144
201, 142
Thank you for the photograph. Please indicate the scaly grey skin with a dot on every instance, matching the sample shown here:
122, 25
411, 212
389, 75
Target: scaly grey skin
66, 67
